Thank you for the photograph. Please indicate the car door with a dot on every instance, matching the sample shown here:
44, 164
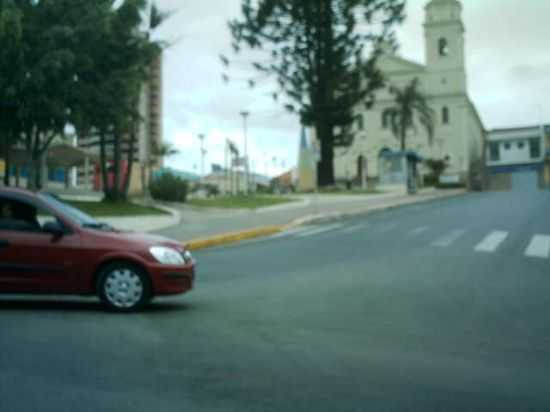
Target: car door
33, 260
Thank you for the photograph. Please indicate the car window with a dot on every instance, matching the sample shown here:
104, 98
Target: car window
18, 216
45, 216
77, 216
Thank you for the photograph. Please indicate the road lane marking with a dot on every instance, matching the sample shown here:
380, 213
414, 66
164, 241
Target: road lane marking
491, 242
419, 230
539, 247
319, 230
386, 227
353, 229
290, 232
449, 238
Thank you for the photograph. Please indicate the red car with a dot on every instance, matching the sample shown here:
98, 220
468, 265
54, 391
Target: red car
47, 246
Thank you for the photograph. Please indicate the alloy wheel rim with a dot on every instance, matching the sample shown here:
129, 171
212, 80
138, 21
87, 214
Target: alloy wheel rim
123, 288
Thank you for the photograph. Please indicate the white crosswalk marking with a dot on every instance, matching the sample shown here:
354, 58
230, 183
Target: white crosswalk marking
353, 229
319, 230
419, 230
491, 242
539, 247
449, 238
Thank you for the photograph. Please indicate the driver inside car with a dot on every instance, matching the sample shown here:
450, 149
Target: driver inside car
20, 218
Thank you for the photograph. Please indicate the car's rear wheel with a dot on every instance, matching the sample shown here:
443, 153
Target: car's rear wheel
123, 287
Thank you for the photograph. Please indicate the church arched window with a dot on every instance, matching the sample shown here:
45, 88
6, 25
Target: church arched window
445, 117
386, 118
443, 47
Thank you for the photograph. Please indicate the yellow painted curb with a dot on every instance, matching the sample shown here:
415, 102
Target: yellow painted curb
233, 237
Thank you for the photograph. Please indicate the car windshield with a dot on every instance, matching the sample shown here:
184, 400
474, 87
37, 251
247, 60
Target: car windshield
71, 212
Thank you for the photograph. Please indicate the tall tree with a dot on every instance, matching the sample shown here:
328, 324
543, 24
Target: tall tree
409, 103
111, 85
49, 51
11, 34
323, 55
74, 62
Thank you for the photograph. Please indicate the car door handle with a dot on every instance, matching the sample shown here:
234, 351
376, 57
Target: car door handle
4, 244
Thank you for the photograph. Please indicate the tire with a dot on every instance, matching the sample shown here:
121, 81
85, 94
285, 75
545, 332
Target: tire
123, 287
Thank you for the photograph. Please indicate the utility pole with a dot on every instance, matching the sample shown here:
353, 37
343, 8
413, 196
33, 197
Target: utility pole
203, 153
245, 115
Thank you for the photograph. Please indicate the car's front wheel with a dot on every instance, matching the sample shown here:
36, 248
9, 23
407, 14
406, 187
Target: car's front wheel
123, 287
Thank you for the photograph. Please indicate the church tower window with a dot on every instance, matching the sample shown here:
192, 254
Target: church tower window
443, 47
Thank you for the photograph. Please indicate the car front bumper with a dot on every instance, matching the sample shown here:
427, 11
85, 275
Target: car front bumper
172, 280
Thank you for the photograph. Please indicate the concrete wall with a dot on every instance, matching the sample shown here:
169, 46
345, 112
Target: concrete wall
499, 182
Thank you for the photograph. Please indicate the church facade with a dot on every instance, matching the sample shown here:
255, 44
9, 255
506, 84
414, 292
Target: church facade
459, 134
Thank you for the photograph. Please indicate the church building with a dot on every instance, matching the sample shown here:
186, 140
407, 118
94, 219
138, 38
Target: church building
459, 134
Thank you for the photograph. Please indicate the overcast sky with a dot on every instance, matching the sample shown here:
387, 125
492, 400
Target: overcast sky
507, 57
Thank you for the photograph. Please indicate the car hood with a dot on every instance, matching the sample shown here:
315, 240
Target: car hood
149, 240
139, 240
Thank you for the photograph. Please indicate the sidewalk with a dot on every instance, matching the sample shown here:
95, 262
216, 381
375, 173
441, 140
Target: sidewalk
146, 223
200, 224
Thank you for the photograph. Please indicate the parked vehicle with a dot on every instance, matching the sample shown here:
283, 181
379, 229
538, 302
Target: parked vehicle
49, 247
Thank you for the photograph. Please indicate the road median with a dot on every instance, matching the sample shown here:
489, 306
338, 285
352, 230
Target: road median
233, 237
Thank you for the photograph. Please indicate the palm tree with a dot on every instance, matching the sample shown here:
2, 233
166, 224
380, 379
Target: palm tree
162, 151
409, 102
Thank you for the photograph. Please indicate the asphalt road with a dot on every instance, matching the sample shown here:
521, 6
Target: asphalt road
443, 306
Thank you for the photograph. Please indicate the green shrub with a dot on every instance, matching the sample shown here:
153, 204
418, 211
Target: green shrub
332, 189
431, 180
437, 167
212, 190
209, 189
169, 188
450, 186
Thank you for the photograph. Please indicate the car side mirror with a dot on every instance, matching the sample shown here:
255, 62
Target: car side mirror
55, 228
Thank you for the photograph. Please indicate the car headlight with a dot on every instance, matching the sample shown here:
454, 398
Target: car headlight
187, 256
166, 255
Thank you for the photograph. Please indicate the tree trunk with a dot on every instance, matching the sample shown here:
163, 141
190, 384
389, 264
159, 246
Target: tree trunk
143, 172
103, 167
403, 132
325, 168
117, 158
39, 172
130, 167
33, 161
32, 175
7, 161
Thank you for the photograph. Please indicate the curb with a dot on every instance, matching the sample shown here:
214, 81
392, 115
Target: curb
233, 237
336, 216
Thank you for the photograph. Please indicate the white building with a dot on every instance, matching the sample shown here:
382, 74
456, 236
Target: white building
515, 147
459, 132
518, 158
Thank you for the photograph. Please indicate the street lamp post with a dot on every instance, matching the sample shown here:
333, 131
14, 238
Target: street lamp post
203, 152
245, 115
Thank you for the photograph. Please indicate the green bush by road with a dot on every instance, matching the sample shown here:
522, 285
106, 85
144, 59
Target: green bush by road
169, 188
104, 209
240, 202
